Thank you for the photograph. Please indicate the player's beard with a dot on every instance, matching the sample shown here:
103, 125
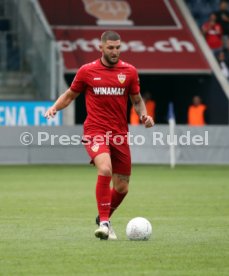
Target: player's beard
110, 61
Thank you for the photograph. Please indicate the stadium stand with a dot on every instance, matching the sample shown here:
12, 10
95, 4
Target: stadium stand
201, 9
14, 79
27, 53
9, 40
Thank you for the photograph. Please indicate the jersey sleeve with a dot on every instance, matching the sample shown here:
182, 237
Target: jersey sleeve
79, 83
134, 86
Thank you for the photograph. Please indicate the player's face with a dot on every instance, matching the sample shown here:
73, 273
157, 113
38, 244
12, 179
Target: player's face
111, 51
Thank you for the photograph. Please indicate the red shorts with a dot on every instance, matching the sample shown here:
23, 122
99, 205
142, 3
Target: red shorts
119, 153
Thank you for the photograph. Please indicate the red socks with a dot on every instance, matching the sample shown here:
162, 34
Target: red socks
107, 199
116, 199
103, 197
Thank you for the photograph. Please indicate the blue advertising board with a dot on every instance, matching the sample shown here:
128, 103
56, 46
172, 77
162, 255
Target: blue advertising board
27, 113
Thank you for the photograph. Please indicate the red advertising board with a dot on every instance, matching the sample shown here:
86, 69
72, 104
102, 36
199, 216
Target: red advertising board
155, 36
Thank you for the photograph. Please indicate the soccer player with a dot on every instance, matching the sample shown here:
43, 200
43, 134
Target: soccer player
107, 82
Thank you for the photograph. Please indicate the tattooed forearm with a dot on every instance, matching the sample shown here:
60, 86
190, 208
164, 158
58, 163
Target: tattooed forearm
138, 104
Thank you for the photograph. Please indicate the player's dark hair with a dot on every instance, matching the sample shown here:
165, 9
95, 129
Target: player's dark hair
110, 35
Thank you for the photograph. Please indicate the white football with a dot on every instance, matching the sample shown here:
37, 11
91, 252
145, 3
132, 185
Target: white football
138, 229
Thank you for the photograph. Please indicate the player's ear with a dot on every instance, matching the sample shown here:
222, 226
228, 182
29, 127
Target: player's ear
100, 47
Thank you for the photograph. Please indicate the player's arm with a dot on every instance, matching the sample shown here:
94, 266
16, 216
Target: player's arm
63, 101
140, 108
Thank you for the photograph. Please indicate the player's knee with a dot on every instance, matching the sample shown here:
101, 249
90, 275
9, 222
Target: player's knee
123, 188
121, 183
105, 170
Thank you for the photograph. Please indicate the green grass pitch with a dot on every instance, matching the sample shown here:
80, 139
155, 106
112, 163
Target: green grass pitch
47, 222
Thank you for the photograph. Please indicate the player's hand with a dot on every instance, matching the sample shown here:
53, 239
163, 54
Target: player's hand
51, 112
147, 121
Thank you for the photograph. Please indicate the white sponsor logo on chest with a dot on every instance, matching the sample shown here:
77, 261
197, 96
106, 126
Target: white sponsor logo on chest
109, 90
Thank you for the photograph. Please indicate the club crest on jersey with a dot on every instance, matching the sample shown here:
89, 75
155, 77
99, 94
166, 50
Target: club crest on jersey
95, 147
121, 78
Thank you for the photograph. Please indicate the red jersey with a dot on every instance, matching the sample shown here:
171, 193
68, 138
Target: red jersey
106, 91
213, 35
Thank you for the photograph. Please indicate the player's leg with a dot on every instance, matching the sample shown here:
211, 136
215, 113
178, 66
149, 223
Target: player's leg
103, 193
103, 164
100, 155
119, 190
121, 166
